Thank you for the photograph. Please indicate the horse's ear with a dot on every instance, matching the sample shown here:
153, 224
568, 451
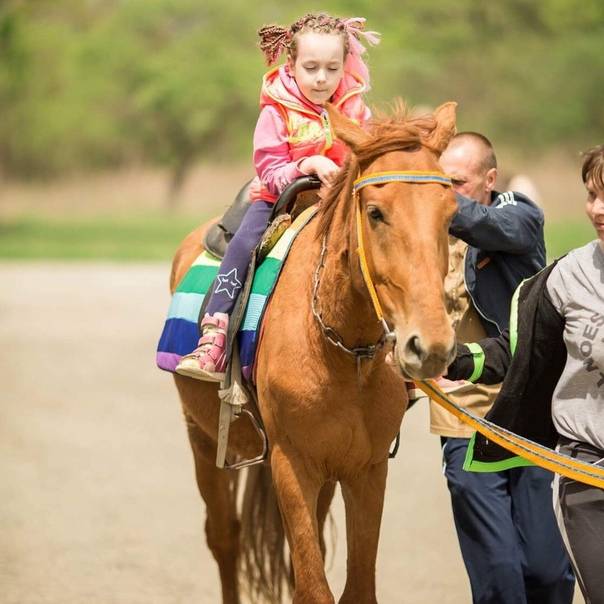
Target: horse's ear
439, 138
346, 130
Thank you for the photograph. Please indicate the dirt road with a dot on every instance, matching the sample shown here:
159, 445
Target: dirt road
97, 500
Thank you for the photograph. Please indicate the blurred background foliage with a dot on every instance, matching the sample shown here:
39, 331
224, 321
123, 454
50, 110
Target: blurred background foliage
162, 87
87, 84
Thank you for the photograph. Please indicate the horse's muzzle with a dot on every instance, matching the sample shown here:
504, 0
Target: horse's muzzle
421, 361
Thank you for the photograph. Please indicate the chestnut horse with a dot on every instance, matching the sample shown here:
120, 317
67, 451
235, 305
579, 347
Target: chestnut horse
330, 416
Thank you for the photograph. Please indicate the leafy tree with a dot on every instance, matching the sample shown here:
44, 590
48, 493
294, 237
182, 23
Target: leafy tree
101, 83
185, 75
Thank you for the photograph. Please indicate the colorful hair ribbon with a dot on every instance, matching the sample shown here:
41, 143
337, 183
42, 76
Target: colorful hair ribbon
355, 26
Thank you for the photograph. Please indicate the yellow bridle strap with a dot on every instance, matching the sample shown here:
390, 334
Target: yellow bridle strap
363, 262
410, 176
534, 452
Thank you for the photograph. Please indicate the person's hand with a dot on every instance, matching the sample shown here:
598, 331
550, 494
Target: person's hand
322, 166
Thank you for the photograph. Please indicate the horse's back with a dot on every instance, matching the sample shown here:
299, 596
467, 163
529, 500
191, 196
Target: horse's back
188, 250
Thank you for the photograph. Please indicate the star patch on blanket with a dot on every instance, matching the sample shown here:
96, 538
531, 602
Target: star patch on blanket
228, 283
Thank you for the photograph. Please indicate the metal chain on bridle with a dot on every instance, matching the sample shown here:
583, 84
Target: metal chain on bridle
359, 352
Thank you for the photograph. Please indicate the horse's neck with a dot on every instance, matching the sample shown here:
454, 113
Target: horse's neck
343, 300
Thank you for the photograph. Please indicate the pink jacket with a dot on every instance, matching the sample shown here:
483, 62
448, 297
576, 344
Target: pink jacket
291, 128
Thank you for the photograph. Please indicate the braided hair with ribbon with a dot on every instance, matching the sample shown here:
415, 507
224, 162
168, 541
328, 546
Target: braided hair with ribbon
275, 39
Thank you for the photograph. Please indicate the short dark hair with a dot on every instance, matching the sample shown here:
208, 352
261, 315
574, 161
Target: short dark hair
489, 159
593, 167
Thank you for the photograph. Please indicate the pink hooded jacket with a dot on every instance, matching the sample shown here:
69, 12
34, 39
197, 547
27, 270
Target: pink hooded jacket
291, 128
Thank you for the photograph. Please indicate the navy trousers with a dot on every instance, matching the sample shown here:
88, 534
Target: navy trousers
234, 266
507, 532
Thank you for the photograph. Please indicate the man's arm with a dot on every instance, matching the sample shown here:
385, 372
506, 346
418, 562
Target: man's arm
510, 224
485, 361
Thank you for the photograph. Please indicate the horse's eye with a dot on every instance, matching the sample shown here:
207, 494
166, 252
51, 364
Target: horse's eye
375, 213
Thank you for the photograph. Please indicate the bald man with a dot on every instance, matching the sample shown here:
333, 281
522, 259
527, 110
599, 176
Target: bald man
505, 523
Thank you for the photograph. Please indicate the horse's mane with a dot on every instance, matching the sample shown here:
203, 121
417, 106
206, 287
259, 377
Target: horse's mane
388, 133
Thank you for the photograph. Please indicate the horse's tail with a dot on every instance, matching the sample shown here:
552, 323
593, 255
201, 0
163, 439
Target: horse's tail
265, 568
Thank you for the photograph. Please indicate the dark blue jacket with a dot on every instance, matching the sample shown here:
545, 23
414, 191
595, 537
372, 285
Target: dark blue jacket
506, 245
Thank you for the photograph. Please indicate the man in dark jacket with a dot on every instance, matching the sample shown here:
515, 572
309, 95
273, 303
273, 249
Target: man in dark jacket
507, 532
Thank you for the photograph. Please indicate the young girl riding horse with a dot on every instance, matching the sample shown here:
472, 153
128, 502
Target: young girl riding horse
293, 138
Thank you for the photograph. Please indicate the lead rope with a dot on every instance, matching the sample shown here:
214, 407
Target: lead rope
538, 454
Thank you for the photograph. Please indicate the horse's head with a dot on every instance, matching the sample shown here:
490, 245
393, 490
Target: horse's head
402, 224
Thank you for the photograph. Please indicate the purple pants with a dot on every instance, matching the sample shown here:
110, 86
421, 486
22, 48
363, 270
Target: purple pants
233, 269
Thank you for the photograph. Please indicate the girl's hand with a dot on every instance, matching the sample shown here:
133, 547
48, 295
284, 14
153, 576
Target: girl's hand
322, 166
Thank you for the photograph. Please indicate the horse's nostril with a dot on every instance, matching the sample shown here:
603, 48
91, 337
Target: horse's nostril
415, 348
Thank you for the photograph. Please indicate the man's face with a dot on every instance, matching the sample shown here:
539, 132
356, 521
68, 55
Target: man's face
462, 161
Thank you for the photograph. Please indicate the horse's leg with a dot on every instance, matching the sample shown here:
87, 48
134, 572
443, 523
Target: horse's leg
364, 500
323, 505
218, 489
298, 492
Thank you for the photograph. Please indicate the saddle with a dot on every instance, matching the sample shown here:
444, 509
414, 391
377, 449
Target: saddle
220, 234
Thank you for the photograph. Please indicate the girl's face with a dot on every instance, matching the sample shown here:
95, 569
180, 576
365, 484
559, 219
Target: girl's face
595, 209
319, 65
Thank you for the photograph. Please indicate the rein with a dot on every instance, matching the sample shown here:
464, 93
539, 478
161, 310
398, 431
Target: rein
376, 178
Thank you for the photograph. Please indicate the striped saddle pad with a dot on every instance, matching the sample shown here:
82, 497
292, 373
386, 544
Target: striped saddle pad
181, 329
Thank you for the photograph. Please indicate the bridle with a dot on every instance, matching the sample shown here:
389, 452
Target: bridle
388, 336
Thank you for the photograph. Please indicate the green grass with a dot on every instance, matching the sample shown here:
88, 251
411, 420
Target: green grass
152, 237
156, 237
563, 236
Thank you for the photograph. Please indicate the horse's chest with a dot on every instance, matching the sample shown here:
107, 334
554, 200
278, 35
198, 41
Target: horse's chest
323, 411
336, 438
